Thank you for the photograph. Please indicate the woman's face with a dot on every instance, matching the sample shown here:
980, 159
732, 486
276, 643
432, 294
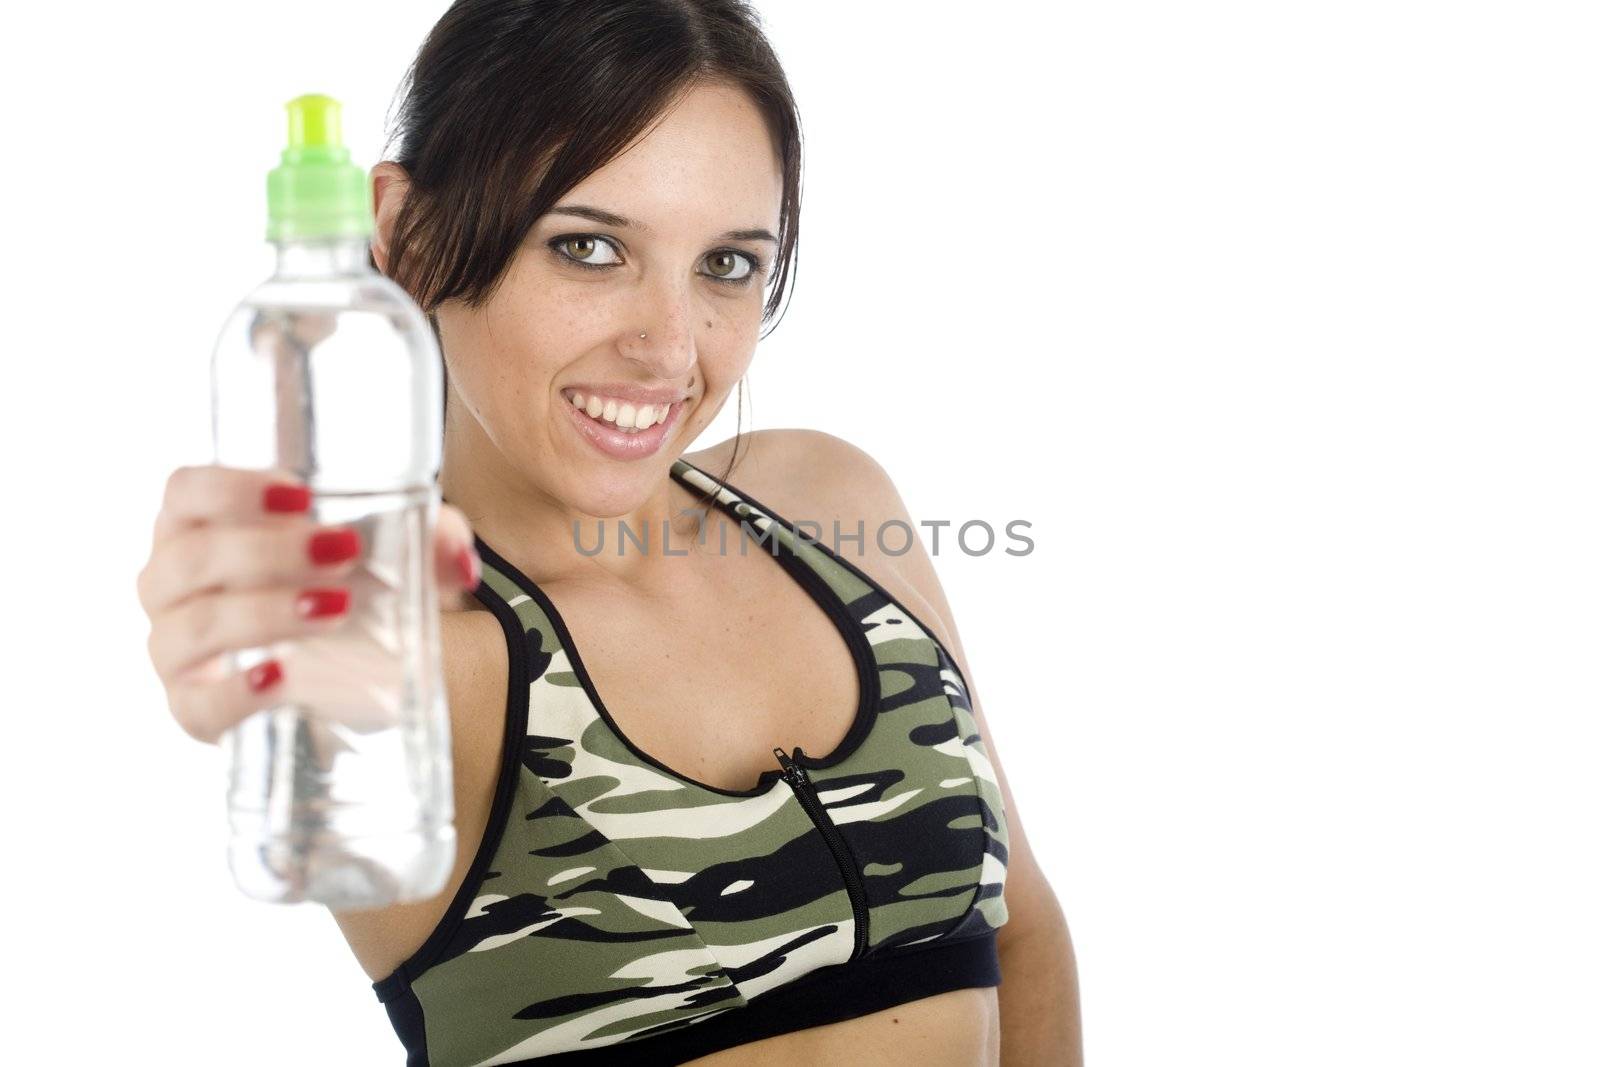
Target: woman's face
580, 291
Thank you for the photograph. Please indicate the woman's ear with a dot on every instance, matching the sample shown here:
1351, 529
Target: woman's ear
389, 185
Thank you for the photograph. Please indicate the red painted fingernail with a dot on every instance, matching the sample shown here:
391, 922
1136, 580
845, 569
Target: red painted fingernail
467, 563
335, 546
263, 675
319, 603
280, 496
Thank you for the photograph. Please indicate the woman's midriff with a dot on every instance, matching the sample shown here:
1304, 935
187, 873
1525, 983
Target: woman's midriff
960, 1028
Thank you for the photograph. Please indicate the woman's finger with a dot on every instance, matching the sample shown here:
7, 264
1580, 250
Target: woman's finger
210, 493
210, 700
455, 556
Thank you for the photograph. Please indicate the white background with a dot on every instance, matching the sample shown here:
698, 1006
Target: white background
1278, 323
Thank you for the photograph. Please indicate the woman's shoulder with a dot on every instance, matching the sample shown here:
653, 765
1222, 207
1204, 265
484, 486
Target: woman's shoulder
817, 477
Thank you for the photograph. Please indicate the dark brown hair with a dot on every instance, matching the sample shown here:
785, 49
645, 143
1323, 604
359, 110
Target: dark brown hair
511, 103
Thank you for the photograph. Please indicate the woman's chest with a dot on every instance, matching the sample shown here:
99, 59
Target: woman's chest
709, 684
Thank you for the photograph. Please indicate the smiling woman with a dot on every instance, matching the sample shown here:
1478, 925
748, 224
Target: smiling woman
781, 832
489, 147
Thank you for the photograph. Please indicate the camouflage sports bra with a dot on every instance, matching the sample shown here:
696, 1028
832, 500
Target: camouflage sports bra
618, 911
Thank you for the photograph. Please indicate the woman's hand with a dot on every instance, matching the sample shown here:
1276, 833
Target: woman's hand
235, 563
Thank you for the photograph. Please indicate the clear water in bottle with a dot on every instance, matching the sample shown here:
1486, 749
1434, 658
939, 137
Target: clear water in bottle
340, 793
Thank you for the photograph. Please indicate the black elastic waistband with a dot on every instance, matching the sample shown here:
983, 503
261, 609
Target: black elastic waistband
827, 995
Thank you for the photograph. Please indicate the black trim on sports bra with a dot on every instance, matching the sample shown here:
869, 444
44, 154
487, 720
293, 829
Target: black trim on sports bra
516, 728
827, 995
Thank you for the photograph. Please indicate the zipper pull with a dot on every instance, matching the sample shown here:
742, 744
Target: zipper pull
791, 770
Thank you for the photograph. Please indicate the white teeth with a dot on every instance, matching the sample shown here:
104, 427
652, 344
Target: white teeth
630, 418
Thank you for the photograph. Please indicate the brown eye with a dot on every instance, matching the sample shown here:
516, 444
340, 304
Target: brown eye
724, 263
580, 249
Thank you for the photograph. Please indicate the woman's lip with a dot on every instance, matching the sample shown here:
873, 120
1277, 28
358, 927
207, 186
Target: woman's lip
615, 443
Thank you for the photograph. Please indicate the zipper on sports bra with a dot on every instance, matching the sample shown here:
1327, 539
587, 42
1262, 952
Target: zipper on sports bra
800, 782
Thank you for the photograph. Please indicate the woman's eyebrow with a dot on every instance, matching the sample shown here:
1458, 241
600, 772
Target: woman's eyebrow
611, 218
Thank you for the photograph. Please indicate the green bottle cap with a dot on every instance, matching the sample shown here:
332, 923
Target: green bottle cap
315, 191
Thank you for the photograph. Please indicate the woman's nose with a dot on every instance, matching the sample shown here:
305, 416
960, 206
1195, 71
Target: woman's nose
662, 341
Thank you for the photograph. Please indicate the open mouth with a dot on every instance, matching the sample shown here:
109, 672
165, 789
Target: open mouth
620, 415
622, 430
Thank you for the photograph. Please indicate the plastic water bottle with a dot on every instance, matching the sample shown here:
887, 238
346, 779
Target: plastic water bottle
341, 793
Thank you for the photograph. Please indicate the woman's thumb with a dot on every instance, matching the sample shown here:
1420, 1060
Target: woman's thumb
456, 557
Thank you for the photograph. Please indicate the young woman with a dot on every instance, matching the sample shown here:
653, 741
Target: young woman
714, 805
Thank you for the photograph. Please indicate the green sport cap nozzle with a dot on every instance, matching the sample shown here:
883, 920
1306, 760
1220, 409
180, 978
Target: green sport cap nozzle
315, 191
